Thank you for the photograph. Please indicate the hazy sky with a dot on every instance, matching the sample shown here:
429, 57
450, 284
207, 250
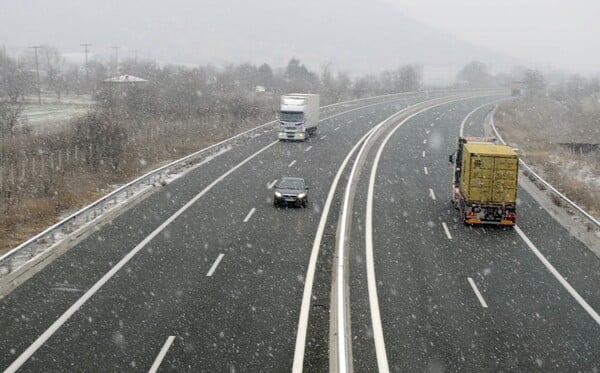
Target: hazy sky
562, 33
353, 35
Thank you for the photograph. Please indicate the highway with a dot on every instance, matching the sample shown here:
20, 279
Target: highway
206, 275
458, 298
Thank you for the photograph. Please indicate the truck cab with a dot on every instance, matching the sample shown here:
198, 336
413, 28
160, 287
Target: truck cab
298, 116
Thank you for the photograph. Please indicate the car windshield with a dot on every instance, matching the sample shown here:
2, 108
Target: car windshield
291, 184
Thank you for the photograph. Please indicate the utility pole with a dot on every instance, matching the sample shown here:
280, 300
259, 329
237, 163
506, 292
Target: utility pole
87, 77
116, 59
37, 71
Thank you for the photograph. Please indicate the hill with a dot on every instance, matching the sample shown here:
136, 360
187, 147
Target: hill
352, 35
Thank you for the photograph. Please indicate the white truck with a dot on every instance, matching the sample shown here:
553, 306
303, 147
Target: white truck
298, 116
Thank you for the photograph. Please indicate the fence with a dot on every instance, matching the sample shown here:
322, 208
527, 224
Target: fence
548, 186
40, 243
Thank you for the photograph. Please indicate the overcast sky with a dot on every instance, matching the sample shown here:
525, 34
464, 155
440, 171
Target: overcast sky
562, 33
351, 34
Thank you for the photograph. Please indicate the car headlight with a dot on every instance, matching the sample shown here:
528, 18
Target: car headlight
301, 195
277, 194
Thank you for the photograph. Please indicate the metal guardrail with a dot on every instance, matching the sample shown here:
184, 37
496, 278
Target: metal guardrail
39, 243
586, 214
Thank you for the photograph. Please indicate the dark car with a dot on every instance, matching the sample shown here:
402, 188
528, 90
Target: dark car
291, 191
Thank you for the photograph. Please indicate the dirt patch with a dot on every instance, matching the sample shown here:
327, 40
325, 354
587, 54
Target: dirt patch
41, 187
538, 127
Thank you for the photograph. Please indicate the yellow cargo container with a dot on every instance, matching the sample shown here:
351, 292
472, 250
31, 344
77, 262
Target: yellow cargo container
489, 174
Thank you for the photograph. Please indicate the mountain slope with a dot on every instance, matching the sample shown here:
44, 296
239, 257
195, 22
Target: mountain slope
353, 35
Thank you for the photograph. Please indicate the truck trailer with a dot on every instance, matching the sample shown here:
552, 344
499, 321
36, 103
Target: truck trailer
484, 184
298, 116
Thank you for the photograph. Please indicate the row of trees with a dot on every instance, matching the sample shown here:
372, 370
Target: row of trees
18, 77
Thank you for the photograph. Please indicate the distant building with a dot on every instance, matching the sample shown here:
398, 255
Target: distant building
125, 79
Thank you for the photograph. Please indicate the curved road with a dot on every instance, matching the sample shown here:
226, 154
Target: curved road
206, 275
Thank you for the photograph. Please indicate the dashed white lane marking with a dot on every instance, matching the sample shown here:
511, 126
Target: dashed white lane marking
432, 194
425, 141
25, 355
423, 153
559, 277
307, 149
447, 231
270, 185
479, 296
425, 170
212, 269
427, 132
249, 215
323, 137
336, 128
162, 354
293, 163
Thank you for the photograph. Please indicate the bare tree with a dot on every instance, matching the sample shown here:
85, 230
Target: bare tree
9, 118
474, 74
13, 79
52, 61
535, 82
409, 79
366, 86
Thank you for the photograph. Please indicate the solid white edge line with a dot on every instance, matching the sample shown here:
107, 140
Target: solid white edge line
162, 354
213, 268
462, 124
431, 194
270, 185
310, 273
342, 342
477, 293
559, 277
380, 350
85, 297
307, 149
298, 363
447, 231
249, 214
293, 163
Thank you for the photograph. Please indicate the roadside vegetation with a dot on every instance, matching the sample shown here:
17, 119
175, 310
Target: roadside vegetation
133, 128
557, 132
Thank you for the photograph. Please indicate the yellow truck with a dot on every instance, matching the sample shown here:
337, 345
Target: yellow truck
484, 186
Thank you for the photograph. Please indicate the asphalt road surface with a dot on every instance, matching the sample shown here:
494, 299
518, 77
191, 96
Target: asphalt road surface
207, 275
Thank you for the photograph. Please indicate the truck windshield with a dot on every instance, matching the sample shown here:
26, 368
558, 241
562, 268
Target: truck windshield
290, 116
